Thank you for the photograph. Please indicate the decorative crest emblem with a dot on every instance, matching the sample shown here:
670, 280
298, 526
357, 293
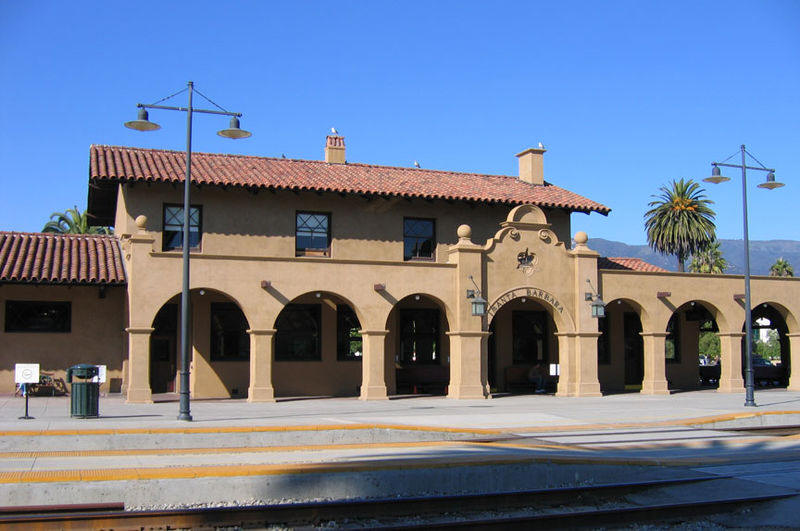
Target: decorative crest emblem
527, 262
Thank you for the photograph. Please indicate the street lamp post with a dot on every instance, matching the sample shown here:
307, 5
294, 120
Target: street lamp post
144, 124
770, 183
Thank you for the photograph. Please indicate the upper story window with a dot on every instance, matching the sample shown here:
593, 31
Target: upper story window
173, 227
313, 234
38, 316
419, 239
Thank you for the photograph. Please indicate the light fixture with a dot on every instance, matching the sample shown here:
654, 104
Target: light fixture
598, 308
234, 131
142, 123
770, 183
416, 297
716, 176
478, 303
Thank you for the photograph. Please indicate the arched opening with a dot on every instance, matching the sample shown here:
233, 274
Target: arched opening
220, 346
692, 348
418, 347
523, 348
318, 347
770, 347
620, 348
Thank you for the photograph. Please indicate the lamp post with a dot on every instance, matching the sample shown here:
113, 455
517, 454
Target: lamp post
142, 123
769, 183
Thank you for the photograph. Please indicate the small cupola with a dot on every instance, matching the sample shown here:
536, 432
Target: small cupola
531, 168
334, 149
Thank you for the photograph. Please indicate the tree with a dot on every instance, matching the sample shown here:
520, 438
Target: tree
73, 221
680, 220
709, 260
781, 268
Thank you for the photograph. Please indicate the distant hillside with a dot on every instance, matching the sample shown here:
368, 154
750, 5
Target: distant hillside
762, 254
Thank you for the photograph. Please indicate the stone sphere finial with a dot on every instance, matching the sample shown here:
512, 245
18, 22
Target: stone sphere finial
141, 221
464, 232
581, 238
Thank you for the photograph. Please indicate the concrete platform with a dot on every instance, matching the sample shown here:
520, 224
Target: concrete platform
235, 452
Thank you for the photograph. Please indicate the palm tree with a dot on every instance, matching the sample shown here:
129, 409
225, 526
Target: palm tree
781, 268
680, 221
709, 260
73, 221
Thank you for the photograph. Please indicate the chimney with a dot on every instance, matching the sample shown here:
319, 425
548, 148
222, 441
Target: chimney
530, 165
334, 149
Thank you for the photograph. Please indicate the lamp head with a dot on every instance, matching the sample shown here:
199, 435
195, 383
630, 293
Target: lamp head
233, 131
478, 306
598, 308
142, 123
770, 183
716, 176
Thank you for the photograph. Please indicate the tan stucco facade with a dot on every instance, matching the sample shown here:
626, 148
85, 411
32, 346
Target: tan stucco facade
522, 260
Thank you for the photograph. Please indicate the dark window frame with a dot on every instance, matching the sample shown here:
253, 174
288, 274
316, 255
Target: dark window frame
345, 339
674, 338
407, 257
517, 357
243, 339
282, 335
313, 251
164, 239
62, 326
408, 342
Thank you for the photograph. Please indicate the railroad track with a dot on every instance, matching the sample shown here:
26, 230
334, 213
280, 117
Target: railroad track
569, 507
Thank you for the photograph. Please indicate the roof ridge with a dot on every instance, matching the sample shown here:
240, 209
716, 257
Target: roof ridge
56, 234
312, 161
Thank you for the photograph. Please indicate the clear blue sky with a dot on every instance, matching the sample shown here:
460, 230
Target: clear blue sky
625, 95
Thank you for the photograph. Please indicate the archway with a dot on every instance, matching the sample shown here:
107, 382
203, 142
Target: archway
220, 346
523, 346
770, 347
692, 347
620, 347
417, 346
318, 347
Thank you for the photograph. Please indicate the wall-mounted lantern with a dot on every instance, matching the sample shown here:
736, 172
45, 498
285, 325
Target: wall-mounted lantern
478, 303
598, 306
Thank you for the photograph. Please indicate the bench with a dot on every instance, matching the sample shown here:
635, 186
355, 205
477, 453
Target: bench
414, 379
517, 380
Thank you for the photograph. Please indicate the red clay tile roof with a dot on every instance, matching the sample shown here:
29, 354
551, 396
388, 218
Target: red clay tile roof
47, 258
113, 164
629, 264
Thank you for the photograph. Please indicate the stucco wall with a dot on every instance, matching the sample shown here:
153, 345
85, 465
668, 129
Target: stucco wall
96, 336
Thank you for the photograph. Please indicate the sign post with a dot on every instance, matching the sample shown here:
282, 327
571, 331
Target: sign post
24, 374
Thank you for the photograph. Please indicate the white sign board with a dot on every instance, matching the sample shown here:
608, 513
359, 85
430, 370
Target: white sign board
101, 374
555, 369
26, 373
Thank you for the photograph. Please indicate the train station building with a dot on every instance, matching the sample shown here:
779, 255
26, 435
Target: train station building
333, 278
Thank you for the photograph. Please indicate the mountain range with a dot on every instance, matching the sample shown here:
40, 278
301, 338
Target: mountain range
762, 254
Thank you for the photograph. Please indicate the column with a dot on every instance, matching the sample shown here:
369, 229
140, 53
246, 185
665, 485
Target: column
730, 380
586, 382
468, 375
566, 385
261, 347
794, 363
373, 381
655, 370
139, 366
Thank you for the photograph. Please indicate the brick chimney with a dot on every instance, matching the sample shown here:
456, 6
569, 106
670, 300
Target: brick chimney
334, 149
530, 165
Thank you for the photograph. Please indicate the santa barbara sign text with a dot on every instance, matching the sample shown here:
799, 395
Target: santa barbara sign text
535, 293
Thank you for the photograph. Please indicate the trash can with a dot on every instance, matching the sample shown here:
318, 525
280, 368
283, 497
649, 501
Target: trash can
86, 394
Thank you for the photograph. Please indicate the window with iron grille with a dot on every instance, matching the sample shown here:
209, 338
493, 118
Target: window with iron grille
313, 234
229, 338
38, 316
172, 237
419, 241
348, 340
